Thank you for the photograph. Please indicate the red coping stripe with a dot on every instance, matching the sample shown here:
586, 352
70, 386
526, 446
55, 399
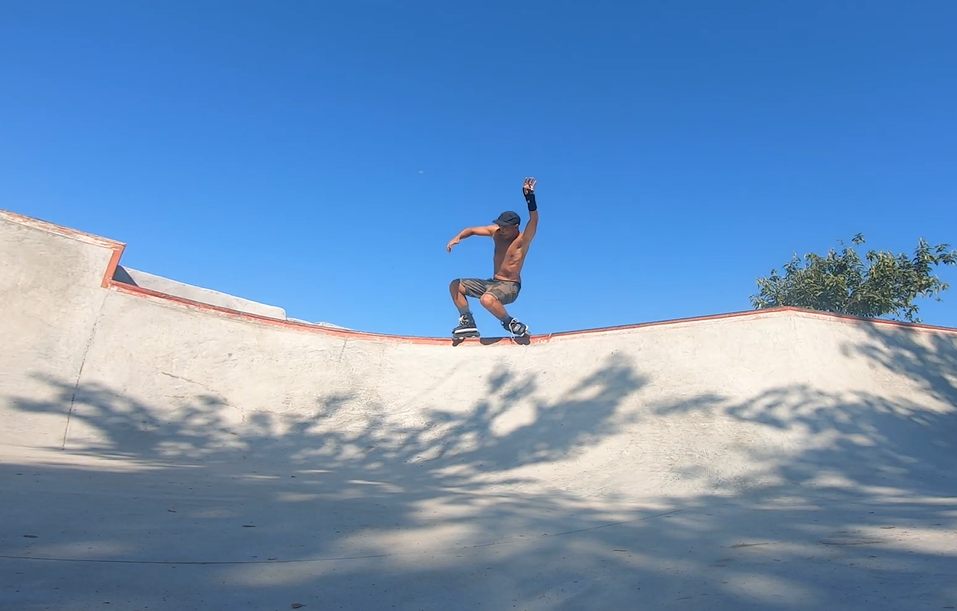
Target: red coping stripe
534, 339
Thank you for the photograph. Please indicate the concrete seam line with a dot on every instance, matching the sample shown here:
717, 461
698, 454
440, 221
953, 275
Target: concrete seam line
79, 373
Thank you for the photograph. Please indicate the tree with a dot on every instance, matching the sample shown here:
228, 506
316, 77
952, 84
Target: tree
843, 283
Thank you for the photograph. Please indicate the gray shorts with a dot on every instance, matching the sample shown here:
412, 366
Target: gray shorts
503, 290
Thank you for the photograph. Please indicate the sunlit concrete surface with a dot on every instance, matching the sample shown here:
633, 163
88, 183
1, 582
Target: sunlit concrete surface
158, 453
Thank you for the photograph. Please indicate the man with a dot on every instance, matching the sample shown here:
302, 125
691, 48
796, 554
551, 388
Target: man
511, 248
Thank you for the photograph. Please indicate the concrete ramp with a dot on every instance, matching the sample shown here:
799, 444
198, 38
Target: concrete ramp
158, 452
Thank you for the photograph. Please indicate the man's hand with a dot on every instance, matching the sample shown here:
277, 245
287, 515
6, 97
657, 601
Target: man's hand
529, 190
454, 241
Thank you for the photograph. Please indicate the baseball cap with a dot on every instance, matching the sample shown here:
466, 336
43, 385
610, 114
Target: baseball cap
508, 218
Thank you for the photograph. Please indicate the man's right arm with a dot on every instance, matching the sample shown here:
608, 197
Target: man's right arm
488, 231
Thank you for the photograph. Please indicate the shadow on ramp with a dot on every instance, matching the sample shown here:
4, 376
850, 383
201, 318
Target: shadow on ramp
189, 506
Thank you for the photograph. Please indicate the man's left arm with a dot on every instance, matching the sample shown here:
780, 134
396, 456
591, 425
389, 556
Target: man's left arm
532, 226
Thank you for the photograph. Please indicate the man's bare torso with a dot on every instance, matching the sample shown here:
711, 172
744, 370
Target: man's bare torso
509, 258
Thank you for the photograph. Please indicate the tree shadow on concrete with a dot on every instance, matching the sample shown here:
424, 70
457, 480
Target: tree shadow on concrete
347, 428
452, 512
196, 472
926, 356
855, 492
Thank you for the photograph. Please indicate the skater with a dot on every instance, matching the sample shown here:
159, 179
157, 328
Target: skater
511, 247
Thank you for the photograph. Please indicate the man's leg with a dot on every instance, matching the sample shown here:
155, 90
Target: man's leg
496, 297
492, 303
457, 289
460, 289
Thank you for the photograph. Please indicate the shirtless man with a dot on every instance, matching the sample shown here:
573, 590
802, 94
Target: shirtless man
511, 247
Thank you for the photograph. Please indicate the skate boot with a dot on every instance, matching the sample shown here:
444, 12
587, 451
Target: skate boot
466, 327
516, 328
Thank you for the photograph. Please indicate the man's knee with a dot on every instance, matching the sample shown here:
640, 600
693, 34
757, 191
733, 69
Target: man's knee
456, 286
488, 300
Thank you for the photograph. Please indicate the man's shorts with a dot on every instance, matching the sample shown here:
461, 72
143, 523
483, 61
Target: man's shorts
503, 290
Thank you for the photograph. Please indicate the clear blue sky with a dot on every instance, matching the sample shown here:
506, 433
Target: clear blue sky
318, 156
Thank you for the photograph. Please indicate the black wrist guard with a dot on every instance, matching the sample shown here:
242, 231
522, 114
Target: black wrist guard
530, 200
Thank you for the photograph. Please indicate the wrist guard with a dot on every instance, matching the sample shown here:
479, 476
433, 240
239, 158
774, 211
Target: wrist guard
530, 200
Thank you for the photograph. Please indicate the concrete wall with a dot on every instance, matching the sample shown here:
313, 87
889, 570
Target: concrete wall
50, 301
186, 291
158, 379
133, 277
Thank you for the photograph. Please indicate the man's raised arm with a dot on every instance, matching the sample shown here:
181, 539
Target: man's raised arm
528, 189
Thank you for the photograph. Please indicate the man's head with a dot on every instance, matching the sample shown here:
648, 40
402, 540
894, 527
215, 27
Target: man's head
509, 222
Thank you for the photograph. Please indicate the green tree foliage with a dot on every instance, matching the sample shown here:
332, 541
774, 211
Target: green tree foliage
841, 282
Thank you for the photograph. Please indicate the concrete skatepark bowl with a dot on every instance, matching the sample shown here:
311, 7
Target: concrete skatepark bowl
173, 448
